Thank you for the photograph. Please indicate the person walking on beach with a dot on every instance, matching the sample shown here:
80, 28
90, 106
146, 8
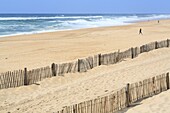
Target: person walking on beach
140, 31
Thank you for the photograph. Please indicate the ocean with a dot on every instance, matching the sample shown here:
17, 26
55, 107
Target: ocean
17, 24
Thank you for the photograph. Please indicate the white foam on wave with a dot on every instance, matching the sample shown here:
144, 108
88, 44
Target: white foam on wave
104, 21
71, 22
46, 18
33, 32
110, 21
151, 17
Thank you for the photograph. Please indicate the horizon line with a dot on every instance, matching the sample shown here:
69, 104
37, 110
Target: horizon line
79, 13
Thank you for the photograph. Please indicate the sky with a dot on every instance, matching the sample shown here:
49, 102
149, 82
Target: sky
84, 6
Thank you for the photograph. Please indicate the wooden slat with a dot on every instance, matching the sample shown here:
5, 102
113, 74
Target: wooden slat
164, 82
114, 105
117, 100
7, 79
22, 77
40, 74
158, 84
123, 98
151, 87
49, 72
141, 89
33, 78
99, 105
12, 79
37, 76
146, 87
22, 72
79, 108
45, 72
13, 74
136, 91
96, 105
1, 82
18, 80
29, 76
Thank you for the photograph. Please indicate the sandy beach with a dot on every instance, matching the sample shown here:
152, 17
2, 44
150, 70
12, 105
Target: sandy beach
39, 50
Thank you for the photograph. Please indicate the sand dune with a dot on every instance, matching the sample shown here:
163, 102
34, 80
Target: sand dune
54, 93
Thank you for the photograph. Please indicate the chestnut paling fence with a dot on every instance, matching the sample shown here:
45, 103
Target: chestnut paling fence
28, 77
122, 98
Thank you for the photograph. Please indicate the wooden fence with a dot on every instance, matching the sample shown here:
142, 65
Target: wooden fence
28, 77
11, 79
122, 98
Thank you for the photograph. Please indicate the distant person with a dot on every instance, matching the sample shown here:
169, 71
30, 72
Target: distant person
140, 31
158, 21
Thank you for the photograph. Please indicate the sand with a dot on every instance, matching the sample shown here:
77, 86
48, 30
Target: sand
156, 104
52, 94
39, 50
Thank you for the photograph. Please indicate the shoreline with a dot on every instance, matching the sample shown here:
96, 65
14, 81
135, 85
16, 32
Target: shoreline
53, 31
64, 30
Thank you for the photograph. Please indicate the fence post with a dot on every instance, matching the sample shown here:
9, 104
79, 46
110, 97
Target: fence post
154, 85
156, 45
74, 108
127, 95
25, 76
167, 80
99, 59
53, 69
132, 52
167, 42
117, 58
62, 111
78, 65
142, 49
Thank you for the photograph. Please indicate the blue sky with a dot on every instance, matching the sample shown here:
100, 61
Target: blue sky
84, 6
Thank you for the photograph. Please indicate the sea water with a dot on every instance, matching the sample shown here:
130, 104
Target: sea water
17, 24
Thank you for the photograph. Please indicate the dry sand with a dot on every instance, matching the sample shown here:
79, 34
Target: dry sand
156, 104
52, 94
